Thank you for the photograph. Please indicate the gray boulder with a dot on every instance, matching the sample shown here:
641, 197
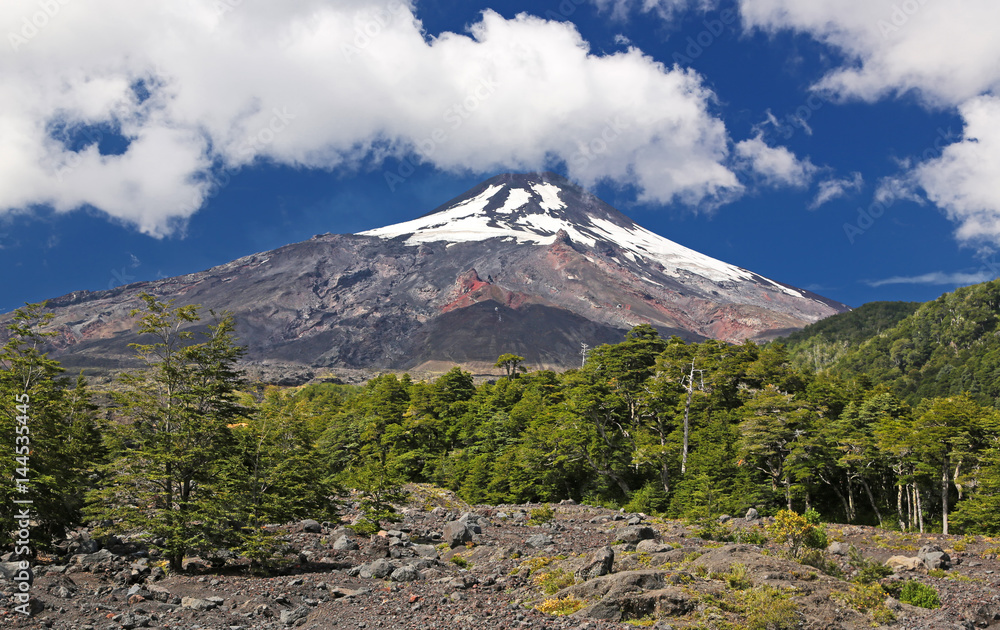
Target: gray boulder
635, 534
289, 617
311, 526
456, 534
378, 569
934, 557
196, 603
405, 574
837, 549
752, 514
651, 546
599, 563
426, 551
9, 570
538, 541
345, 544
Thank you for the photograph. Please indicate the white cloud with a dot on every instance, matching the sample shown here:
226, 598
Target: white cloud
937, 278
963, 180
666, 9
945, 52
777, 166
338, 84
831, 189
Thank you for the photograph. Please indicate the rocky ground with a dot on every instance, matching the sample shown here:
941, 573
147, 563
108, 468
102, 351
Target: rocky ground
456, 566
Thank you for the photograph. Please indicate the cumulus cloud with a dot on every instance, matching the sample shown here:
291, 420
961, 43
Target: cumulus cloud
776, 166
963, 180
196, 89
955, 279
831, 189
944, 52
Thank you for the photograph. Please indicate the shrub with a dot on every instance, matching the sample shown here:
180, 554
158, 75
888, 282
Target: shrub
765, 608
796, 531
551, 582
649, 499
711, 529
750, 536
564, 606
869, 599
738, 577
541, 515
918, 594
869, 571
459, 561
817, 559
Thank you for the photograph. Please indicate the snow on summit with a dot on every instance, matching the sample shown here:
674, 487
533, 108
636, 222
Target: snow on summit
531, 210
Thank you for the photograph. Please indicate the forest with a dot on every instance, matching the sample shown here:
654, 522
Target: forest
883, 416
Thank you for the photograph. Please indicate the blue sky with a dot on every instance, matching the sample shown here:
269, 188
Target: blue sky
845, 146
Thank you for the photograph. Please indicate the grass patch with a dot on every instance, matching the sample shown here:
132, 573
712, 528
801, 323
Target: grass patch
868, 599
918, 594
542, 515
869, 571
551, 582
757, 608
561, 606
819, 560
460, 561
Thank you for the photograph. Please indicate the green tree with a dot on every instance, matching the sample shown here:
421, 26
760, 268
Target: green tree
50, 427
511, 363
772, 422
374, 459
949, 434
276, 474
172, 434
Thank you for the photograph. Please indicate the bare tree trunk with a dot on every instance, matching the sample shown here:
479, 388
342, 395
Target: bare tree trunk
788, 493
911, 504
687, 416
899, 508
920, 508
945, 465
871, 497
850, 498
958, 471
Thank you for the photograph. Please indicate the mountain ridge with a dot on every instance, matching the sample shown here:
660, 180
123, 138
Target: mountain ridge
522, 263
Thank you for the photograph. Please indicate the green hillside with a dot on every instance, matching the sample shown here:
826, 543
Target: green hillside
944, 347
820, 345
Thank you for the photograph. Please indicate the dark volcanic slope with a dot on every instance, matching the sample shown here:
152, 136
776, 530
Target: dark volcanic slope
522, 263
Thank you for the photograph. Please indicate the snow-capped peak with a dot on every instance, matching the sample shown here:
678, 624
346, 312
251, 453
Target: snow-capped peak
531, 209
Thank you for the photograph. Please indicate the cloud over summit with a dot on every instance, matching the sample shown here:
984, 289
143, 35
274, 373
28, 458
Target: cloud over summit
182, 92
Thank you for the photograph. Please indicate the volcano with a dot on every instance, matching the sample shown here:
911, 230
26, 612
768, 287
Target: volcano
524, 263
